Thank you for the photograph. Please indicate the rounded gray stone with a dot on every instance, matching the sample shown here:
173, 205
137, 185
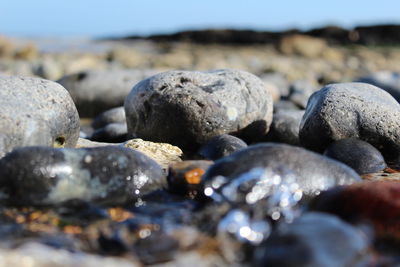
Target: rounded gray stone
114, 115
34, 111
345, 110
96, 91
188, 108
313, 172
387, 80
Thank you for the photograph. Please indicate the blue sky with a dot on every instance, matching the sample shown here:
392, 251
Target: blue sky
97, 18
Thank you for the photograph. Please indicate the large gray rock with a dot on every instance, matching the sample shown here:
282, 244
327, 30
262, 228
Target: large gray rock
34, 111
387, 80
109, 175
312, 172
96, 91
345, 110
187, 108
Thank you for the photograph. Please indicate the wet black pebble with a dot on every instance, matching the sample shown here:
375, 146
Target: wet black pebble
359, 155
221, 146
315, 239
103, 175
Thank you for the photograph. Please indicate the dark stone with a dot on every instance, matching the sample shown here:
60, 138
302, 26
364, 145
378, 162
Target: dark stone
285, 127
221, 146
108, 175
114, 115
375, 202
33, 112
315, 239
187, 108
111, 133
312, 171
345, 110
359, 155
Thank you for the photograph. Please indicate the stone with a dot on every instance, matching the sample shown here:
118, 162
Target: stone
300, 92
114, 115
285, 127
359, 155
184, 177
279, 80
312, 172
49, 69
345, 110
302, 45
34, 111
387, 80
315, 239
375, 202
108, 175
164, 154
221, 146
96, 91
285, 105
86, 143
111, 133
188, 108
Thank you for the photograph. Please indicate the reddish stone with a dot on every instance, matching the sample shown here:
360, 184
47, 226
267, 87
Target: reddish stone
377, 202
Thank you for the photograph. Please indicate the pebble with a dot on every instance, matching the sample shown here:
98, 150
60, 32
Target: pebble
221, 146
315, 239
359, 155
285, 105
300, 92
95, 91
109, 175
184, 177
375, 202
387, 80
313, 172
34, 111
111, 133
188, 108
164, 154
114, 115
345, 110
285, 127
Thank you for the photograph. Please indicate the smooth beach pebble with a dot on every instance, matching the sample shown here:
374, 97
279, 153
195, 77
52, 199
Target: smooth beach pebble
387, 80
34, 111
376, 202
112, 133
315, 239
345, 110
114, 115
188, 108
312, 172
96, 91
285, 127
359, 155
108, 175
221, 146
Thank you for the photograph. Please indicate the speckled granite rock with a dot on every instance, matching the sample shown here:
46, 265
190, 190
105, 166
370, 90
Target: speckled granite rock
344, 110
34, 111
187, 108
